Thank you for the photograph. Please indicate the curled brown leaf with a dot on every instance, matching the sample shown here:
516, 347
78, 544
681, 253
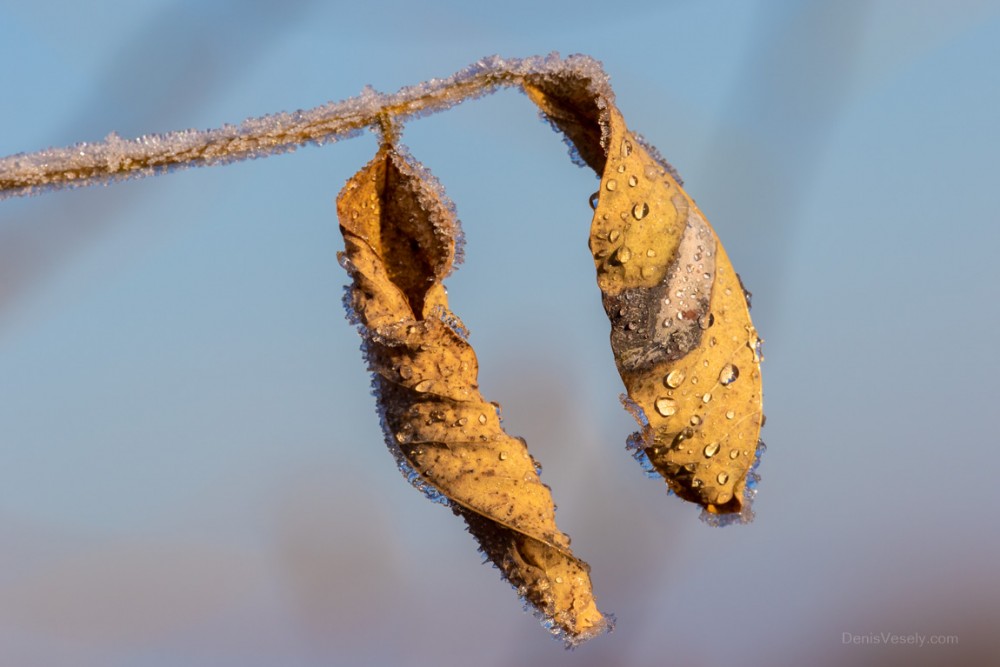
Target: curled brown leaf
681, 332
400, 242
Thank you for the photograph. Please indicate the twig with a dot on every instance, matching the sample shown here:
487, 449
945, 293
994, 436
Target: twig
118, 159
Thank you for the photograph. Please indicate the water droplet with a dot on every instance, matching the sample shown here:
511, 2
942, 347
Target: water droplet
729, 374
651, 172
614, 235
706, 276
482, 419
722, 478
463, 421
611, 184
674, 378
503, 456
705, 321
696, 483
423, 385
650, 253
733, 454
666, 406
559, 580
621, 169
711, 450
405, 372
712, 342
694, 380
639, 211
706, 398
623, 255
695, 420
593, 200
678, 439
626, 147
747, 294
730, 414
667, 322
633, 181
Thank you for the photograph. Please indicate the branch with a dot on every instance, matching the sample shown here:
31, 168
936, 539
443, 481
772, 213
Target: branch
117, 159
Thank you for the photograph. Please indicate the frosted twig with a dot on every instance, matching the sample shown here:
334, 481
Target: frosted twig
116, 158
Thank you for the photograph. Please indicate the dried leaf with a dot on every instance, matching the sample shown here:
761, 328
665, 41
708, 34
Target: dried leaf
400, 242
681, 332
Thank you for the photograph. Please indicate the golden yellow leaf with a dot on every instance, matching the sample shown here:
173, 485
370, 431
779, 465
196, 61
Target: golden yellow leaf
681, 332
400, 242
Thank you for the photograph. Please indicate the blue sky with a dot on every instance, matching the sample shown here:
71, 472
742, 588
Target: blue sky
191, 468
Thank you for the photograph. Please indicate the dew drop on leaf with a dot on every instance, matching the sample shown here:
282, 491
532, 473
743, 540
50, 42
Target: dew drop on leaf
674, 378
666, 406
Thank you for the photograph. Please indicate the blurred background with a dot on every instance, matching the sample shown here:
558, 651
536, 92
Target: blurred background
191, 468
